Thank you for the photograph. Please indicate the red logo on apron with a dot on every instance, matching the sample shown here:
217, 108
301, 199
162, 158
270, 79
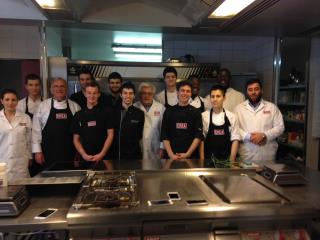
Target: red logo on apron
181, 125
156, 113
61, 116
219, 132
92, 123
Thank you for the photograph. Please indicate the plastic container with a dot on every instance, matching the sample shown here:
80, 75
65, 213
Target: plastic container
3, 175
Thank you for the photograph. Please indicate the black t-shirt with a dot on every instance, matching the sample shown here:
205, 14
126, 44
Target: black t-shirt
79, 98
92, 126
181, 125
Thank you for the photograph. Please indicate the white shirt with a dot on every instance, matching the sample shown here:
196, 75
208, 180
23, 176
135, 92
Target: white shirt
32, 105
232, 99
171, 96
197, 103
41, 116
218, 120
15, 144
151, 135
267, 119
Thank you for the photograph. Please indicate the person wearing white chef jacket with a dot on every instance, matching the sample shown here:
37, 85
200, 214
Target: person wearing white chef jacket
15, 137
153, 112
260, 123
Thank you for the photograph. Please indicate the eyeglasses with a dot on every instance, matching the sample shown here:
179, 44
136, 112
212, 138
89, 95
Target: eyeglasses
146, 93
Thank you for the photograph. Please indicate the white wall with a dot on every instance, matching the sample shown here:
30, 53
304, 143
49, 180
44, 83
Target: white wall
19, 42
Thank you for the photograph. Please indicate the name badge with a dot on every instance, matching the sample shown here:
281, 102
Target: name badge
266, 112
134, 121
218, 132
92, 123
156, 113
23, 124
61, 116
182, 125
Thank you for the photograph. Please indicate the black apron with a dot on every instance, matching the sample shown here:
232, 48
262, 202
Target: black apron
202, 109
217, 143
57, 143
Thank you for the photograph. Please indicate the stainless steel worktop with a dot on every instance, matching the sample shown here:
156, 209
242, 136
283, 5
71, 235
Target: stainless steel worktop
295, 203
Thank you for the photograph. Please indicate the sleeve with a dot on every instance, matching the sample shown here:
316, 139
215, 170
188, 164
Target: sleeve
36, 137
21, 105
243, 134
198, 125
205, 123
75, 125
28, 137
165, 126
235, 134
160, 98
277, 126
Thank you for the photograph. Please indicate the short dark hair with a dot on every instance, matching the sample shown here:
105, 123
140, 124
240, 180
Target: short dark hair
252, 81
128, 85
5, 91
86, 71
32, 76
218, 87
93, 84
184, 83
169, 70
225, 70
115, 75
193, 76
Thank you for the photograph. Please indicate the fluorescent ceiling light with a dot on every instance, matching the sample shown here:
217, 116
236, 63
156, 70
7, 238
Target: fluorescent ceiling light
137, 50
46, 3
138, 57
137, 38
230, 8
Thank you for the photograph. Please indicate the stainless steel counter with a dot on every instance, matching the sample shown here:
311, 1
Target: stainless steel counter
296, 206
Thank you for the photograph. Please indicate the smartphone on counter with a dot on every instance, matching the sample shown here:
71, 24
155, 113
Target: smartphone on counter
174, 196
161, 202
197, 202
45, 214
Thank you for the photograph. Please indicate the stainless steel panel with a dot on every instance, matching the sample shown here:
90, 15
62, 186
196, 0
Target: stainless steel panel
241, 189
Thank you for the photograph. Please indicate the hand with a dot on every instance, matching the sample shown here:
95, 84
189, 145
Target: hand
87, 157
39, 158
258, 138
97, 157
174, 157
161, 153
183, 156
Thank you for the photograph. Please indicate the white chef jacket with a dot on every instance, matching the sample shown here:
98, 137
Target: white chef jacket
268, 119
151, 135
172, 97
197, 103
232, 99
218, 120
32, 105
15, 141
41, 116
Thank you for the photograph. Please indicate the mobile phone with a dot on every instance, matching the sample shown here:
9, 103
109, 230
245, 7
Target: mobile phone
45, 214
160, 202
174, 196
196, 202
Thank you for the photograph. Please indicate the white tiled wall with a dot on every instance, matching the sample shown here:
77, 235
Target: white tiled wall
239, 54
19, 42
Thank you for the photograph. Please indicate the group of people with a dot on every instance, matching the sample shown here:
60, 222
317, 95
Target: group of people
113, 131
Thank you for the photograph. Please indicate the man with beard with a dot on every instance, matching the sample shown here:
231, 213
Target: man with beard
233, 97
85, 78
114, 82
260, 123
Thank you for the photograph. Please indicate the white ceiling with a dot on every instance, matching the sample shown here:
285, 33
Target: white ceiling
283, 17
